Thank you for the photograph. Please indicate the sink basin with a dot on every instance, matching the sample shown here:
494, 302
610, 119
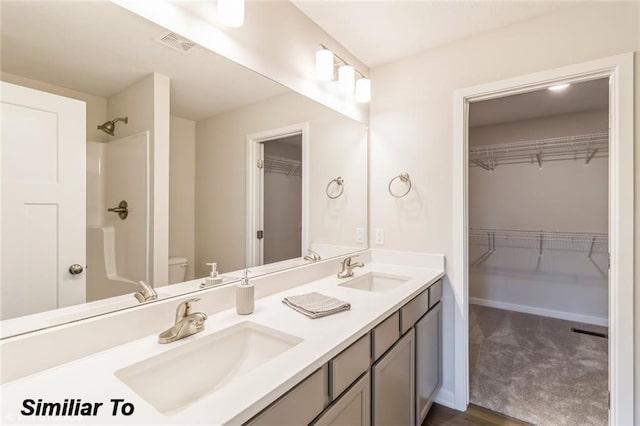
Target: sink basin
375, 282
179, 377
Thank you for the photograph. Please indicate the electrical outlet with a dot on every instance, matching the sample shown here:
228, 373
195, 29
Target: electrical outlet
360, 235
380, 236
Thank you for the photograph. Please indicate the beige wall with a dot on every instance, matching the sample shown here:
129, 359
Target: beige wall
338, 147
182, 176
412, 120
562, 196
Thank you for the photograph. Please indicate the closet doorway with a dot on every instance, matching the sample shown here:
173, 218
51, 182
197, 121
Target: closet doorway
538, 220
277, 188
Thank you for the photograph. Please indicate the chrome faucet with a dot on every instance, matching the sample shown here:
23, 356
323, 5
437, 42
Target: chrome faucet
348, 267
146, 294
312, 256
186, 324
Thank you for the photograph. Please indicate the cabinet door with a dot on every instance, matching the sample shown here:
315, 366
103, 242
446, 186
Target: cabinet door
428, 360
351, 409
300, 405
393, 384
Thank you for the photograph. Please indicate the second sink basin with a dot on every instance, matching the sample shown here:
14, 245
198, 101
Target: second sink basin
179, 377
373, 281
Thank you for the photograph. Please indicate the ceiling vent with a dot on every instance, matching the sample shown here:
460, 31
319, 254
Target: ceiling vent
176, 42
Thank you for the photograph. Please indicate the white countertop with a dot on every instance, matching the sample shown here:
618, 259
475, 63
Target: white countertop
92, 378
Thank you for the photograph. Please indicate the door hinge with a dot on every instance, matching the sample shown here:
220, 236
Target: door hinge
609, 400
260, 235
261, 164
608, 260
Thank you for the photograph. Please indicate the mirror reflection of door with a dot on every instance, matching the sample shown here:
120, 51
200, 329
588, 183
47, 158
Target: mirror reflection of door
281, 199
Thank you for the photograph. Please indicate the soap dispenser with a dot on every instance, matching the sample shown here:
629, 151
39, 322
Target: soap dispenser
213, 278
245, 295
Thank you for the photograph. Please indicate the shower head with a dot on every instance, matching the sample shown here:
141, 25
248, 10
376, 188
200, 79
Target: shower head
109, 126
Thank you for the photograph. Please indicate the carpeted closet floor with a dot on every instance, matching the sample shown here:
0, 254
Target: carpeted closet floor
536, 369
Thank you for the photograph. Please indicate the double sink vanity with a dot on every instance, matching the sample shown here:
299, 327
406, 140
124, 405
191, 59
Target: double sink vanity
377, 362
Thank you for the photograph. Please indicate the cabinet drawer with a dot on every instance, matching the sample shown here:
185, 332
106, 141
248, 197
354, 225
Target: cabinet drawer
412, 311
385, 335
435, 293
300, 405
346, 367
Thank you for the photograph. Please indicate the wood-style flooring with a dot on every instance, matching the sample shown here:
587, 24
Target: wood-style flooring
475, 415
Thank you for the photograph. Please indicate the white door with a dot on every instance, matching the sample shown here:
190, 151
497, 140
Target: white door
43, 207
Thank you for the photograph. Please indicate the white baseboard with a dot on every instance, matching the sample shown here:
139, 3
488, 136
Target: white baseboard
569, 316
445, 397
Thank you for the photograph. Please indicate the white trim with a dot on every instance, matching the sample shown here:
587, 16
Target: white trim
621, 226
253, 216
445, 397
569, 316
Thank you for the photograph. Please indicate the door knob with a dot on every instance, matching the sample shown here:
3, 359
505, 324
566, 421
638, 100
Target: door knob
75, 269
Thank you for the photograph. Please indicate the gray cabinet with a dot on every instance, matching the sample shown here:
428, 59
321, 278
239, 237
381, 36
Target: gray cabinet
428, 360
353, 408
393, 384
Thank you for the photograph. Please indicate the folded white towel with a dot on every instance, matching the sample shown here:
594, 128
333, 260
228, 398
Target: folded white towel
316, 305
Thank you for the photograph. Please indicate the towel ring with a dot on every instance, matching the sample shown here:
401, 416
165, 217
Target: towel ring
404, 177
340, 182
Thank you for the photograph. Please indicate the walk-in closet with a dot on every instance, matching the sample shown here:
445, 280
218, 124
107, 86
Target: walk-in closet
538, 254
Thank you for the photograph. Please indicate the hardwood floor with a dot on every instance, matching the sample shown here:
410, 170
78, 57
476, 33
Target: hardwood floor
475, 415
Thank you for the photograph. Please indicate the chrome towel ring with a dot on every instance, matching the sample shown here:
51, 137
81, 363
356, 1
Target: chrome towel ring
404, 177
340, 183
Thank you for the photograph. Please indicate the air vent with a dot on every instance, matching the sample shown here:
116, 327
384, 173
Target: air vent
176, 42
590, 333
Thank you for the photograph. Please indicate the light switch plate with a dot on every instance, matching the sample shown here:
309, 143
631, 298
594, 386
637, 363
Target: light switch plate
380, 236
360, 235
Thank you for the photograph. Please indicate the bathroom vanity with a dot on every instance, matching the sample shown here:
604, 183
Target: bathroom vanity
379, 360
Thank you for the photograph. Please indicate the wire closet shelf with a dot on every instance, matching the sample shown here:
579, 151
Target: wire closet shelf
586, 147
282, 165
587, 242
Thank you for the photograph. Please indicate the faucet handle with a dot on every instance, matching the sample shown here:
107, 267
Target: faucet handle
184, 308
347, 260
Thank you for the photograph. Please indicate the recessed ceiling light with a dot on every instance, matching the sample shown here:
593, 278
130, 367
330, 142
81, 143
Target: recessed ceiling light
559, 87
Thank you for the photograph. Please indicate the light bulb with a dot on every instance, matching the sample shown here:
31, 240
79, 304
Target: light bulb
231, 13
324, 65
363, 90
346, 78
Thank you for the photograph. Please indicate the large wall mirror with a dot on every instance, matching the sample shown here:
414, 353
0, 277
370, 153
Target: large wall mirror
130, 154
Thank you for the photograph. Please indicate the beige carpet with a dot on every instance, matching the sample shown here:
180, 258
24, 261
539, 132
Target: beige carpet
536, 369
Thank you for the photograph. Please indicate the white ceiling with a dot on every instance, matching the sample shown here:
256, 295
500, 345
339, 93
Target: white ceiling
100, 48
378, 32
587, 96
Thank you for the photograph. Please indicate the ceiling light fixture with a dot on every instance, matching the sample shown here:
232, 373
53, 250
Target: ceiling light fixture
231, 13
326, 64
559, 87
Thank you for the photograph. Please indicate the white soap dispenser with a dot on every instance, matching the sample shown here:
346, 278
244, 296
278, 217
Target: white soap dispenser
213, 278
245, 300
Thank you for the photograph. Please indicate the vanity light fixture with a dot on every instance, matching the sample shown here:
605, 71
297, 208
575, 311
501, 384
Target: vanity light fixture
231, 13
363, 90
346, 78
559, 87
326, 64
